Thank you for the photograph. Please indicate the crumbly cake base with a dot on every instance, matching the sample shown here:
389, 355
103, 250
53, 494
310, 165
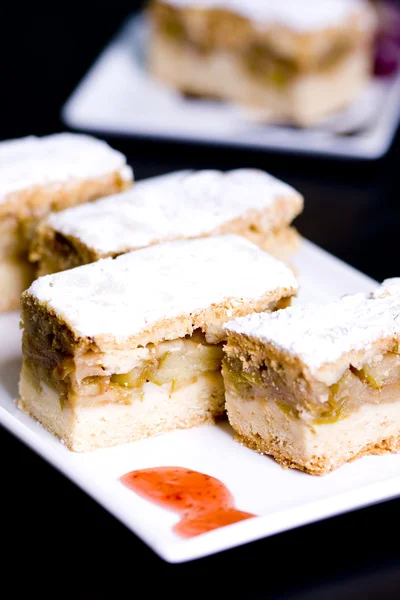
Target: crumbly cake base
390, 445
318, 450
16, 274
303, 102
83, 429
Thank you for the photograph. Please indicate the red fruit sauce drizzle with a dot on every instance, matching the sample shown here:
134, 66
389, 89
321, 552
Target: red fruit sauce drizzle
203, 502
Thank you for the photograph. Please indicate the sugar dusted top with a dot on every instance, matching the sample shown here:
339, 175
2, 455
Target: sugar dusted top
182, 204
126, 296
301, 16
321, 335
53, 159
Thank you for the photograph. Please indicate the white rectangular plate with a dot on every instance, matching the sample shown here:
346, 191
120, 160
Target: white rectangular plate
283, 499
118, 96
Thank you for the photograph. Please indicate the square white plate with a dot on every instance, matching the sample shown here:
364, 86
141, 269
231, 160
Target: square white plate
283, 499
117, 96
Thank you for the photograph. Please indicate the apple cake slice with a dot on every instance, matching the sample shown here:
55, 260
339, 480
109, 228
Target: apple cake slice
185, 204
130, 347
40, 175
292, 61
318, 386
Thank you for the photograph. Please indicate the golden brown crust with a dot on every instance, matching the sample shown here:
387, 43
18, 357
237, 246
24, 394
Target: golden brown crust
265, 222
318, 465
27, 207
269, 229
33, 202
40, 321
53, 252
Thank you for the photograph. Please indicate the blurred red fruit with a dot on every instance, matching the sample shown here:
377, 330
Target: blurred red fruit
387, 57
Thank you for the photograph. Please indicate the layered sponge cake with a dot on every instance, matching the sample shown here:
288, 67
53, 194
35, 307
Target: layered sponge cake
185, 204
317, 386
126, 348
40, 175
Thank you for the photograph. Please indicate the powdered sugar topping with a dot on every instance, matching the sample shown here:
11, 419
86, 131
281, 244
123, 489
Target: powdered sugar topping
307, 15
59, 158
322, 335
181, 204
128, 295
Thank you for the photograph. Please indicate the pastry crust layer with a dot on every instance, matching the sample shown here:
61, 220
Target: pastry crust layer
373, 430
162, 292
52, 252
321, 466
182, 205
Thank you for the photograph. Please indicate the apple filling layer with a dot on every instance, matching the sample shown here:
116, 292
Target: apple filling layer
92, 379
317, 404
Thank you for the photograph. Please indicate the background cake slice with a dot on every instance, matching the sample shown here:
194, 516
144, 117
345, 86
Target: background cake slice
317, 386
292, 63
186, 204
129, 347
40, 175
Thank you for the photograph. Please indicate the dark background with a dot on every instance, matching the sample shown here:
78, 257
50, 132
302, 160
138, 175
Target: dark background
57, 541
